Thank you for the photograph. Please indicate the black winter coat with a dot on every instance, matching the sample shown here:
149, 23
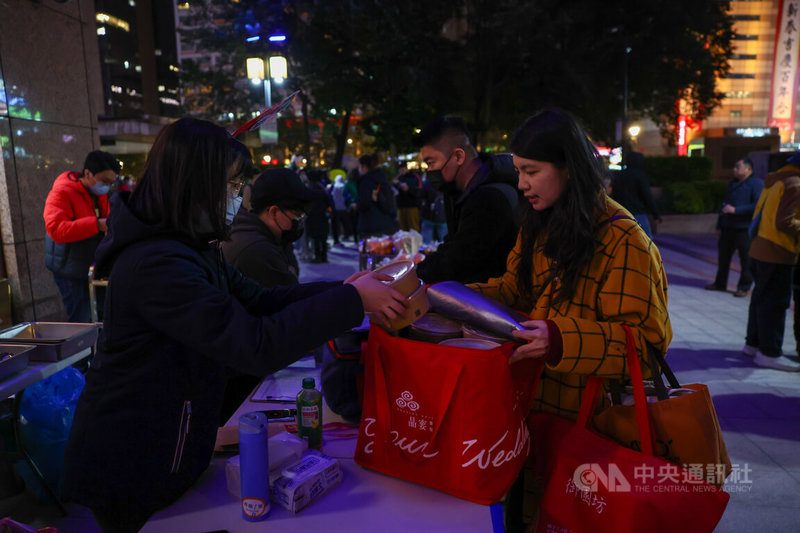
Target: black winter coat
375, 218
255, 252
482, 225
175, 317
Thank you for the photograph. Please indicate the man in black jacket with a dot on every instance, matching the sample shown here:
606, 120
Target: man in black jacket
482, 204
271, 218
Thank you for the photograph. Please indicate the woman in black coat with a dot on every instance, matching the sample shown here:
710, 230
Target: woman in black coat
176, 315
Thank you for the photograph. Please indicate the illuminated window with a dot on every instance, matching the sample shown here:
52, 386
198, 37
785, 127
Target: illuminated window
739, 94
736, 113
104, 18
184, 5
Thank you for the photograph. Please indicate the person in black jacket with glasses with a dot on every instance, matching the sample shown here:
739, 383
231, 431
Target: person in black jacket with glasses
176, 317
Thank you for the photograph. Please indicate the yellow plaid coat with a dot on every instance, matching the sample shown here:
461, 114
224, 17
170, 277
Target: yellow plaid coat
624, 284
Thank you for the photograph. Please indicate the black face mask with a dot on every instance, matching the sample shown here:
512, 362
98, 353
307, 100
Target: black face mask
295, 232
436, 178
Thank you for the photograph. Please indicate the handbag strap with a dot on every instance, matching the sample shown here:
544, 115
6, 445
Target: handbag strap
384, 412
594, 387
659, 366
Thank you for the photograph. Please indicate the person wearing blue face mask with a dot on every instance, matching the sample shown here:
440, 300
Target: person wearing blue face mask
75, 215
177, 319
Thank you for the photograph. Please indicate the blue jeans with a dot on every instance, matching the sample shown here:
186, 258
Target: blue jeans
433, 231
644, 222
75, 295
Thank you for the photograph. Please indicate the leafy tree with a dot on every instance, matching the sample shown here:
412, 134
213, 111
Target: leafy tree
215, 86
375, 57
493, 62
522, 55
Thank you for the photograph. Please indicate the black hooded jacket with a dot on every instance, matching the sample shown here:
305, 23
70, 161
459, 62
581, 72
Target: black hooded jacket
255, 252
175, 317
482, 225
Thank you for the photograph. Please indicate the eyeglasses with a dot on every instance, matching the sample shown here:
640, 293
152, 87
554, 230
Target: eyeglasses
235, 186
289, 214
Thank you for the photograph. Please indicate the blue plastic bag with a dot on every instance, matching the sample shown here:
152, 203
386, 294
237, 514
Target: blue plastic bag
46, 413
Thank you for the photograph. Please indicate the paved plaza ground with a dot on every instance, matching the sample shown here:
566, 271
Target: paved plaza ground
759, 409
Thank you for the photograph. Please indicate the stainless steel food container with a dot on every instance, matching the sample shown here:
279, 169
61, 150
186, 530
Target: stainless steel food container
459, 302
18, 357
52, 341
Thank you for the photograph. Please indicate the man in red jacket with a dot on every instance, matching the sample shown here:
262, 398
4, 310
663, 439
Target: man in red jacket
75, 219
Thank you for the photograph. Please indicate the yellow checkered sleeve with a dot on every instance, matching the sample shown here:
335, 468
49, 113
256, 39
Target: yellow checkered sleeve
624, 284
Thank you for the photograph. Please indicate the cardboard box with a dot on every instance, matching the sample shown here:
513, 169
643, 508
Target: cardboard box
306, 480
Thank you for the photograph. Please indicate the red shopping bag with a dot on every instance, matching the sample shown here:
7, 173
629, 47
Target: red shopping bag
589, 483
447, 417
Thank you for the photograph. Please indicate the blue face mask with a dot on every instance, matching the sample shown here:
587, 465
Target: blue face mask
232, 208
99, 188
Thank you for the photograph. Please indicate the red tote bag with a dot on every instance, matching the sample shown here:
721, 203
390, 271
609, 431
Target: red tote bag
590, 483
450, 418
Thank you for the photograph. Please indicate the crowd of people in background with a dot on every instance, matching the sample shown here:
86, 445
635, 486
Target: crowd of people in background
363, 202
203, 234
462, 193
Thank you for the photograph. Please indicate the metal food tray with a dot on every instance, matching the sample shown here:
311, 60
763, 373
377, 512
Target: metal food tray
20, 354
53, 341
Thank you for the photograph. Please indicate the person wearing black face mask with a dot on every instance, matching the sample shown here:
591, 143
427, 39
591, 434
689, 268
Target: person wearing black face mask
482, 205
271, 218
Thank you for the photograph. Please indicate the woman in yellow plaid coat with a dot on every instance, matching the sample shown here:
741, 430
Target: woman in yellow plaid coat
581, 268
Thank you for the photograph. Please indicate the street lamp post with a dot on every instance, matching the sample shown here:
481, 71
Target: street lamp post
625, 94
260, 71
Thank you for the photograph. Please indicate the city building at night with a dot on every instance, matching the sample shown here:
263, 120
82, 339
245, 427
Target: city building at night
139, 68
758, 111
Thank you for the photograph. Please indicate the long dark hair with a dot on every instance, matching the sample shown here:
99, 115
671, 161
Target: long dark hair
184, 184
565, 231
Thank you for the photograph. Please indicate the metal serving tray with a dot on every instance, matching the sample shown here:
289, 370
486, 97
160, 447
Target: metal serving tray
17, 358
53, 341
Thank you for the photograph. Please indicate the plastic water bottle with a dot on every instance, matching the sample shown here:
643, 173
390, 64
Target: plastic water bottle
309, 414
254, 465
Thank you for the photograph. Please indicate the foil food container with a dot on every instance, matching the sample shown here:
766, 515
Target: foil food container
53, 341
404, 275
459, 302
13, 358
434, 328
475, 344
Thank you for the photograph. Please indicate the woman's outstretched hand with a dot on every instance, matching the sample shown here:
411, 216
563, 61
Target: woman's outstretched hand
380, 300
536, 339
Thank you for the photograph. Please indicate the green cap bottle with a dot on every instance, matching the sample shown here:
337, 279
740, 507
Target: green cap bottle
309, 414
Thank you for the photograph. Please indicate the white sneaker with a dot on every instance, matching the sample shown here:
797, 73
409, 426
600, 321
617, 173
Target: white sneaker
778, 363
749, 351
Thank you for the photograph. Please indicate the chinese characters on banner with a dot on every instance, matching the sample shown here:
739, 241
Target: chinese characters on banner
784, 68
